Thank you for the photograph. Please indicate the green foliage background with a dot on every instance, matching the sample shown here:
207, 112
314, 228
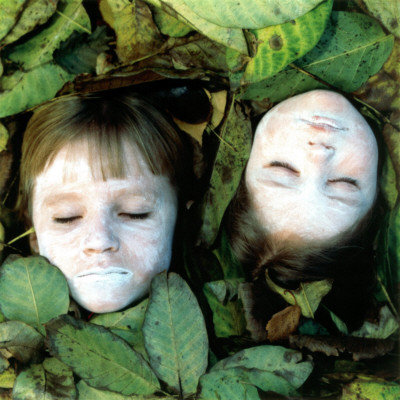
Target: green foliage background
260, 52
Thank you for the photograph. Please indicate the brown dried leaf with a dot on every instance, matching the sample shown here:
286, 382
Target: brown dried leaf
283, 323
360, 348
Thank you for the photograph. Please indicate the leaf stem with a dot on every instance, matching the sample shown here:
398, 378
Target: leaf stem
26, 233
74, 22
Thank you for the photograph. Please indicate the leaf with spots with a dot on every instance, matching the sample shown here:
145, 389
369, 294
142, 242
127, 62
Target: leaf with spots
24, 297
175, 334
100, 358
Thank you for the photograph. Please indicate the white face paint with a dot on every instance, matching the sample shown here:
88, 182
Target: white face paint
109, 238
312, 172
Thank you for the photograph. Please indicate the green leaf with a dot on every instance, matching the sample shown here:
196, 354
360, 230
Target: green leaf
25, 297
99, 357
270, 368
4, 364
25, 90
3, 141
233, 152
352, 48
253, 14
137, 34
9, 11
20, 340
388, 180
169, 25
38, 50
231, 38
228, 316
175, 334
387, 12
126, 324
87, 392
51, 380
36, 13
7, 378
371, 388
282, 44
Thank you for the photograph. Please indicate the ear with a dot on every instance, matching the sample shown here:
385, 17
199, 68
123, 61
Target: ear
33, 243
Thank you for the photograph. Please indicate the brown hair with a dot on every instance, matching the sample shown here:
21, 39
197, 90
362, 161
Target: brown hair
106, 121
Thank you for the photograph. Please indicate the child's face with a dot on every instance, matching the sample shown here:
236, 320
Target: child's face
109, 238
312, 172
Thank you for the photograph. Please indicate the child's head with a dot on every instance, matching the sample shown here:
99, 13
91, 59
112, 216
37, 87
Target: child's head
99, 182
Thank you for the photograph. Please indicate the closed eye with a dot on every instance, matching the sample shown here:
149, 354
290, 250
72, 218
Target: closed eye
348, 180
285, 165
66, 220
134, 216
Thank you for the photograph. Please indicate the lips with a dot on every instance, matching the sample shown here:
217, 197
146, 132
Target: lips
105, 273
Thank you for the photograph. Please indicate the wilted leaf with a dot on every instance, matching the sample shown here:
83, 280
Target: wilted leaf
31, 88
359, 348
283, 323
228, 317
137, 35
371, 388
25, 297
231, 38
277, 46
233, 152
78, 54
126, 324
38, 50
175, 334
270, 368
35, 13
254, 14
387, 12
7, 378
9, 11
102, 359
51, 380
352, 48
169, 25
20, 340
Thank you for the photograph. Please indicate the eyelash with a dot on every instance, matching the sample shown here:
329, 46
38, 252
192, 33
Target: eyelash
135, 216
283, 165
351, 181
67, 220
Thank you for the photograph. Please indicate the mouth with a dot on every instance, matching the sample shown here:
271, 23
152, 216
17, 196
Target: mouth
105, 273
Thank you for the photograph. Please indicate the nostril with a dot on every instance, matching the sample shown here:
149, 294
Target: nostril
311, 143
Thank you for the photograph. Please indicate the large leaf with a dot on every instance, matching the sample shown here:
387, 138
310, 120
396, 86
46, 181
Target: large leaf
137, 34
36, 12
280, 45
126, 324
22, 91
270, 368
70, 17
9, 11
250, 14
233, 152
231, 38
20, 340
368, 387
169, 25
99, 357
32, 291
87, 392
7, 378
352, 48
175, 334
228, 316
51, 380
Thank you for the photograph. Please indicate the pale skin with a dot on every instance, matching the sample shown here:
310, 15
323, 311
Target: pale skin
108, 237
312, 172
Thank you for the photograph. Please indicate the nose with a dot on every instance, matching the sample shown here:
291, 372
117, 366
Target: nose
100, 238
320, 151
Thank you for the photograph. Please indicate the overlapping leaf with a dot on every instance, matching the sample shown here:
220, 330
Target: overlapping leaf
24, 297
175, 334
352, 48
9, 11
51, 380
102, 359
169, 25
253, 14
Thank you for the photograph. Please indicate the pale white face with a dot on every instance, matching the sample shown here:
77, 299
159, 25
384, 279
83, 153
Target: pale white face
109, 238
312, 172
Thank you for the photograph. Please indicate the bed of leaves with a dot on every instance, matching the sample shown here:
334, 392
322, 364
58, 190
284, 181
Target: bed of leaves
247, 55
